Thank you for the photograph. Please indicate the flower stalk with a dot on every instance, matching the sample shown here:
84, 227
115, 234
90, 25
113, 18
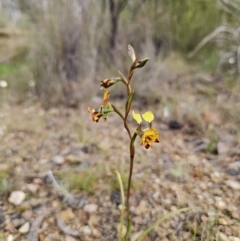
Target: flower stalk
147, 136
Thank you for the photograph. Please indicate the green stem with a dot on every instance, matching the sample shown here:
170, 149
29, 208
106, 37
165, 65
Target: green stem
117, 111
132, 154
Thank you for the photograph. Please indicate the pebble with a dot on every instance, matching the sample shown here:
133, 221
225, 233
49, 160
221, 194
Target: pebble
142, 207
70, 238
137, 220
4, 167
124, 230
59, 160
232, 238
18, 222
74, 159
134, 236
90, 208
220, 205
94, 220
67, 215
16, 197
33, 188
222, 237
233, 184
10, 238
85, 230
222, 221
24, 228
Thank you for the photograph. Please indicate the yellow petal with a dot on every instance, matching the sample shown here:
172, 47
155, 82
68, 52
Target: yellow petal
137, 117
148, 116
105, 97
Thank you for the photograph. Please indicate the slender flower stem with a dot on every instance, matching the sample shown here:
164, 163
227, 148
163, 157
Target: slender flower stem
132, 154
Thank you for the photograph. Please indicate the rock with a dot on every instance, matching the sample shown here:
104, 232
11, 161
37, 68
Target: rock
220, 205
74, 159
222, 221
16, 197
156, 196
222, 148
67, 215
134, 236
96, 233
94, 220
70, 238
233, 184
85, 230
222, 237
90, 208
10, 238
137, 220
232, 238
216, 177
4, 167
142, 207
59, 160
24, 228
123, 231
18, 222
33, 188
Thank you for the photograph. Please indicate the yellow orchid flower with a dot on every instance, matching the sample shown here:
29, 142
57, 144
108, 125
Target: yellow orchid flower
96, 115
137, 117
148, 116
150, 135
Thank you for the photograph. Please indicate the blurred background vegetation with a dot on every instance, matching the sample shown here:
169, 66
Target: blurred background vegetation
59, 50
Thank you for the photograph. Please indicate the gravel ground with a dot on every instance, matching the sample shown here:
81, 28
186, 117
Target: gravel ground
57, 181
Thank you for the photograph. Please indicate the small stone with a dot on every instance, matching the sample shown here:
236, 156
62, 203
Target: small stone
233, 184
10, 238
85, 230
70, 238
16, 197
38, 181
59, 160
203, 186
156, 195
137, 220
24, 228
216, 177
74, 159
94, 220
67, 215
123, 231
18, 222
220, 205
142, 207
232, 238
90, 208
222, 237
4, 167
96, 233
33, 188
134, 236
222, 148
222, 221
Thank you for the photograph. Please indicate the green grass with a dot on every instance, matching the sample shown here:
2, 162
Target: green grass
85, 180
3, 177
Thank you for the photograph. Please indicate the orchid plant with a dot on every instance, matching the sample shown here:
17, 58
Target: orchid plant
147, 136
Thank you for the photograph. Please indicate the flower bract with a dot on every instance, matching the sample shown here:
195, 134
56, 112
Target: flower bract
150, 135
